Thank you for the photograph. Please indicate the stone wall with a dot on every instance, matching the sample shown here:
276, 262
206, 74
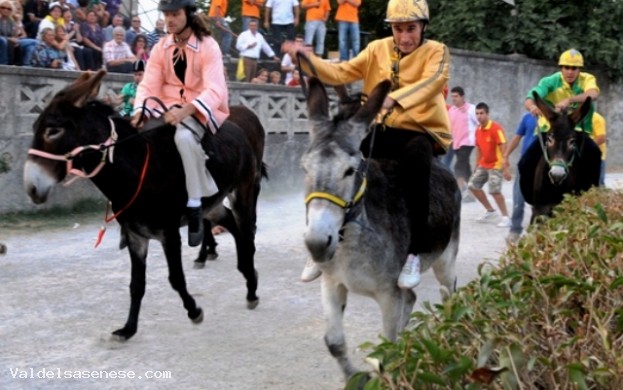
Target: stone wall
500, 81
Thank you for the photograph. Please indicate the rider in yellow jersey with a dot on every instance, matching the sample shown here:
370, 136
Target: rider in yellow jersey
414, 126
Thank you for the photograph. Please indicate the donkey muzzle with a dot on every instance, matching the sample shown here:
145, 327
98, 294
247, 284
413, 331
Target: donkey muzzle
557, 174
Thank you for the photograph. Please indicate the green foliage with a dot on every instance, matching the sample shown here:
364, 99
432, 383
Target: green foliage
5, 164
535, 28
548, 316
538, 29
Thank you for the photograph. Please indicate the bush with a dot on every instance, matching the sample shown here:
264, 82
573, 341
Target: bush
549, 316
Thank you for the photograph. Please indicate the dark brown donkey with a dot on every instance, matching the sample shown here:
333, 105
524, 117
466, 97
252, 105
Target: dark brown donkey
142, 176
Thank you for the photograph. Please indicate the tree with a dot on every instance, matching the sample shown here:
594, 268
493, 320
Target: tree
535, 28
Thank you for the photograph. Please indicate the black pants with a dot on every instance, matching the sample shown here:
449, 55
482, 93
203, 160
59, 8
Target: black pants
462, 167
414, 153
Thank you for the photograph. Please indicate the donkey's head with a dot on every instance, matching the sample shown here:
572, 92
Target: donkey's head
562, 142
63, 125
334, 168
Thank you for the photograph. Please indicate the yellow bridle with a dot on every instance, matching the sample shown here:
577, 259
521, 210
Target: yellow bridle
336, 199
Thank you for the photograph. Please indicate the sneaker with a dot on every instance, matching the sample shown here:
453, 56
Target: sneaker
410, 274
310, 271
505, 222
512, 238
195, 226
488, 216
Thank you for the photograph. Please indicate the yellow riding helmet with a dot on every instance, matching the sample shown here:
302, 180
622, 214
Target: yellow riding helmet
571, 57
406, 11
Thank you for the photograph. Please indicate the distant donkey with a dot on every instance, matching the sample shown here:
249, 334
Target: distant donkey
357, 225
563, 161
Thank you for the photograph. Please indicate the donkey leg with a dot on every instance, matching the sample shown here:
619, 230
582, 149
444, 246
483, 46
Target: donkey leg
396, 307
138, 253
445, 268
208, 246
172, 246
243, 213
334, 302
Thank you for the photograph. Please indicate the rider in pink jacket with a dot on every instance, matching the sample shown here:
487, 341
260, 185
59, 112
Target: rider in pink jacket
185, 71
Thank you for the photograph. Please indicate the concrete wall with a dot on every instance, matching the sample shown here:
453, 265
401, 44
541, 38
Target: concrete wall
500, 81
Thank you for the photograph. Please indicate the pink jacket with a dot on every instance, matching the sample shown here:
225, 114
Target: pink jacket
204, 87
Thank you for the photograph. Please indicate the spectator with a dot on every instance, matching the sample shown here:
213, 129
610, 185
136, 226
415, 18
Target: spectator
221, 31
53, 19
128, 92
600, 137
261, 78
490, 147
463, 123
83, 55
316, 15
140, 48
46, 55
7, 47
118, 56
62, 44
347, 18
80, 15
117, 21
158, 33
287, 64
34, 12
103, 17
275, 77
134, 30
112, 6
527, 131
250, 10
249, 44
20, 38
296, 79
281, 18
93, 38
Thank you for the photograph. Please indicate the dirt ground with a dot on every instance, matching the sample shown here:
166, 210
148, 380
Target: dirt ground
60, 299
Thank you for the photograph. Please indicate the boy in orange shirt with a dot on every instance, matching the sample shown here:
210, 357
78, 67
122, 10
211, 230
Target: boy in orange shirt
347, 18
490, 146
316, 15
250, 10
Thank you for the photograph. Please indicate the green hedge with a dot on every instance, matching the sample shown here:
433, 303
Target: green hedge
549, 316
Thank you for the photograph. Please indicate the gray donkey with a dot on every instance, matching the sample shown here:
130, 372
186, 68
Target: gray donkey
357, 228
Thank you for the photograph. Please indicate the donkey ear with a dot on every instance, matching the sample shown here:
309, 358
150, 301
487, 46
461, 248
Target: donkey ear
547, 111
373, 105
84, 88
317, 101
580, 113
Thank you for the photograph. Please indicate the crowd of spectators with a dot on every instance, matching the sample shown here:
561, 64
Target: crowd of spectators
93, 34
73, 35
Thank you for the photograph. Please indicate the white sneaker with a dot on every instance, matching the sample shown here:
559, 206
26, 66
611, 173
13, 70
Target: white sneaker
505, 222
310, 271
410, 274
512, 238
488, 216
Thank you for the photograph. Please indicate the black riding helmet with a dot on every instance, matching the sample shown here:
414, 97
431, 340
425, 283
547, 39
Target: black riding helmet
173, 5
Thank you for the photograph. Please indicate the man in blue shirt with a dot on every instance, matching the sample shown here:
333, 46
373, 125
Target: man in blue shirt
526, 130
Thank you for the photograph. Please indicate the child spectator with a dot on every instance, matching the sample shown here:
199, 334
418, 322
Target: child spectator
275, 77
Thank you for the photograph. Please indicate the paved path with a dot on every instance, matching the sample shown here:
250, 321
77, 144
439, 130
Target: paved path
60, 299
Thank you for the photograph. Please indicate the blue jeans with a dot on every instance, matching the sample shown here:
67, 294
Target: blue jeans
226, 38
4, 51
447, 158
316, 29
518, 207
27, 45
602, 174
346, 31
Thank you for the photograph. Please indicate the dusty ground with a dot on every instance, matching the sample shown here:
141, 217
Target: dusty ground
60, 299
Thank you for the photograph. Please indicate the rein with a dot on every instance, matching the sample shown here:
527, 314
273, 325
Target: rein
103, 148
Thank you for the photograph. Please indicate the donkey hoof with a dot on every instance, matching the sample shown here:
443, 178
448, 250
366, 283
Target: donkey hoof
123, 334
253, 304
212, 256
199, 264
199, 318
3, 249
